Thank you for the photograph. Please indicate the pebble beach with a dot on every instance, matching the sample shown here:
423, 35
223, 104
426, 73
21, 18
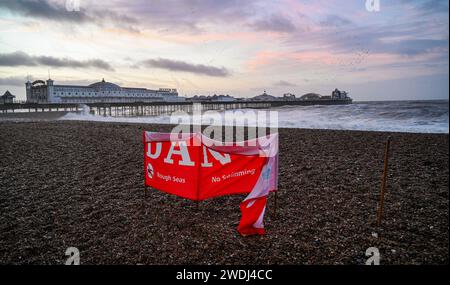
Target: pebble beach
69, 183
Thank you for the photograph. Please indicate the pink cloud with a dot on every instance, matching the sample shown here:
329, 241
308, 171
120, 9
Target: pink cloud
264, 58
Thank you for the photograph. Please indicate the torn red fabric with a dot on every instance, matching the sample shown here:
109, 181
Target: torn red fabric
252, 216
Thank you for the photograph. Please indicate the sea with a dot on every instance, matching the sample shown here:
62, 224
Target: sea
388, 116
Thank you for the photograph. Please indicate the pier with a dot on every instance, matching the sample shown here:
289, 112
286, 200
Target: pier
156, 108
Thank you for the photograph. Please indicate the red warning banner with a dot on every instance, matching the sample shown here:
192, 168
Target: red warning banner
195, 167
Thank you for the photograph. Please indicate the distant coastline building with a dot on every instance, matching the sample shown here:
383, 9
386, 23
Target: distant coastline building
7, 98
339, 95
289, 97
335, 95
310, 96
214, 98
264, 97
99, 92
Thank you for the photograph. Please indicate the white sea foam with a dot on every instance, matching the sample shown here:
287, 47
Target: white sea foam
403, 116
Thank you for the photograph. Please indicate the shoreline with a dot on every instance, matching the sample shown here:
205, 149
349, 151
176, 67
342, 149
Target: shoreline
79, 183
57, 117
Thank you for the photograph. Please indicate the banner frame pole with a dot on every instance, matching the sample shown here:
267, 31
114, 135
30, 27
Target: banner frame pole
144, 142
276, 183
383, 181
198, 173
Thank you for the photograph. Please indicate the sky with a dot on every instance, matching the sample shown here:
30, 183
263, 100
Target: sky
397, 50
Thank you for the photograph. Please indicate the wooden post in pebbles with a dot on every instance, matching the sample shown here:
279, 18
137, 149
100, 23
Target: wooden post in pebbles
383, 181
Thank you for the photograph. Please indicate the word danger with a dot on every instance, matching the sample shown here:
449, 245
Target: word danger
181, 149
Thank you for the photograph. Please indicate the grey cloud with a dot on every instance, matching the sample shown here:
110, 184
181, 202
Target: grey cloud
377, 39
20, 81
16, 59
172, 16
335, 21
19, 58
406, 47
435, 6
42, 9
354, 46
189, 15
284, 83
13, 81
46, 10
177, 65
415, 47
429, 6
276, 23
163, 15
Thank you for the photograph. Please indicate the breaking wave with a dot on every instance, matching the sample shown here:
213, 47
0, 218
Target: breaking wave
392, 116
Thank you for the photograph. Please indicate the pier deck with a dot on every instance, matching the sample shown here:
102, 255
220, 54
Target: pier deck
156, 108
